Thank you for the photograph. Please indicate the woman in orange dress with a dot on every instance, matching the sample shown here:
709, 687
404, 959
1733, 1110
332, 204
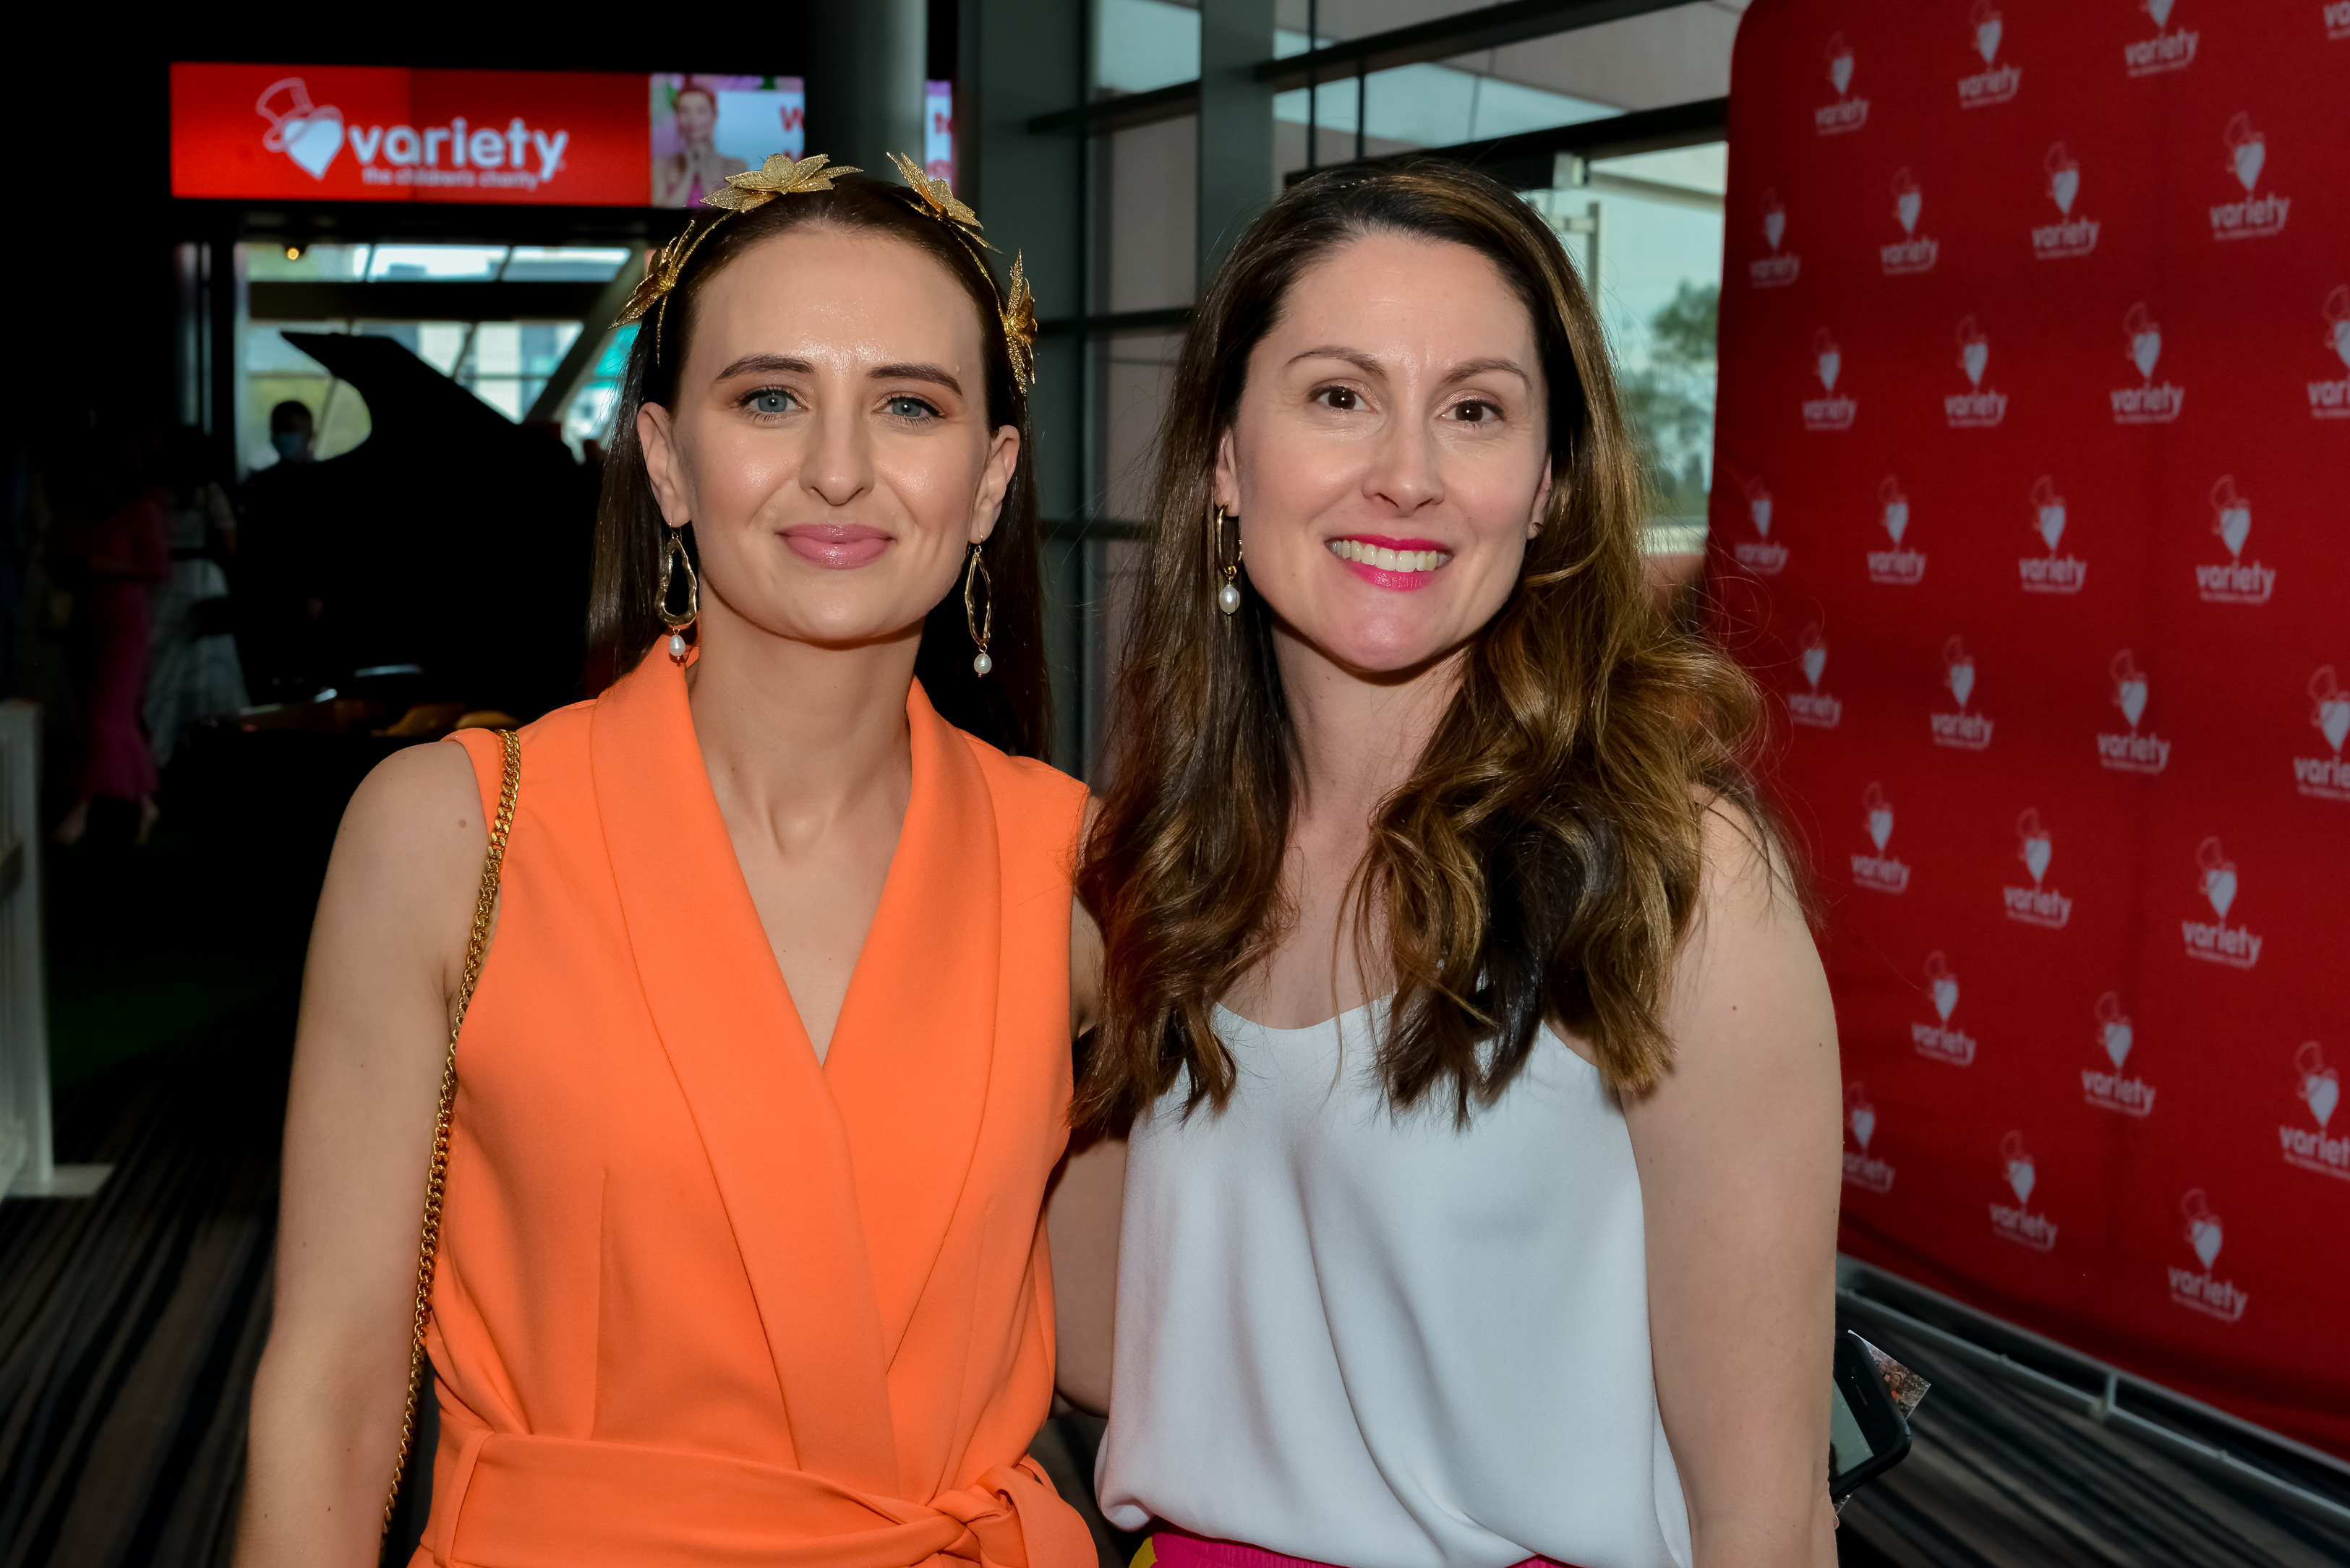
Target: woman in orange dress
768, 1068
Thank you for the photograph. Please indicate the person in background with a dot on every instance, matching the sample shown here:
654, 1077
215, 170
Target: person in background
106, 548
1482, 1198
697, 167
293, 430
193, 670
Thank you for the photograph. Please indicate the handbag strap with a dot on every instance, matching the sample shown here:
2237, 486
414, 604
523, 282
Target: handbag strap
436, 1181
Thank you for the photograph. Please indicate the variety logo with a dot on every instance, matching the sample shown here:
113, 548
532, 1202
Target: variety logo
1978, 408
2069, 236
2051, 573
2166, 51
2020, 1224
1830, 412
2217, 942
1996, 83
2234, 581
2038, 905
2148, 403
2132, 752
1814, 707
1847, 113
1938, 1040
313, 137
2111, 1090
2331, 400
2195, 1288
1883, 872
1760, 555
1913, 252
1861, 1168
1966, 732
306, 133
1898, 566
2256, 216
2325, 778
1780, 269
2320, 1089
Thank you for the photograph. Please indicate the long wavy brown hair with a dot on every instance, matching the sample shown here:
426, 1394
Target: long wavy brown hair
1010, 707
1541, 861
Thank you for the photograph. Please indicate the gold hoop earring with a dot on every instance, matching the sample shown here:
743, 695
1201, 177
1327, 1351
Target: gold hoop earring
1228, 596
672, 557
981, 622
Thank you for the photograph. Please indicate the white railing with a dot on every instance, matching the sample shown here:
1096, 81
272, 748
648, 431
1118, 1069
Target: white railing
28, 1167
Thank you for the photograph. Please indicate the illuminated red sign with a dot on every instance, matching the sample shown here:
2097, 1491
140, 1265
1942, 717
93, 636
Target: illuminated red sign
378, 133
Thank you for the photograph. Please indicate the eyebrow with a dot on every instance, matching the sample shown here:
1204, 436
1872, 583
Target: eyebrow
1370, 365
784, 365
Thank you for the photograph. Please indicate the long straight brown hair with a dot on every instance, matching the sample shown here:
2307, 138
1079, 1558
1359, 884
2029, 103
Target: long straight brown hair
1543, 859
1010, 708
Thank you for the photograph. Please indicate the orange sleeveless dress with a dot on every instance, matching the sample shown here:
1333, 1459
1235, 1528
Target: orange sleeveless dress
701, 1299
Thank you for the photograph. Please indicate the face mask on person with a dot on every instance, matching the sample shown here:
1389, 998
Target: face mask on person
292, 445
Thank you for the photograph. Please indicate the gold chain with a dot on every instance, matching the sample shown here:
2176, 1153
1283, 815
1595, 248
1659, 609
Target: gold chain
436, 1178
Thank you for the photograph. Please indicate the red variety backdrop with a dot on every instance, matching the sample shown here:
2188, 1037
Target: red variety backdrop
2032, 506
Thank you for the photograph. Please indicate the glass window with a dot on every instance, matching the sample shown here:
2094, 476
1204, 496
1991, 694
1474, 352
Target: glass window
1149, 218
439, 264
1143, 44
277, 372
304, 263
1649, 227
510, 362
1336, 21
1680, 55
567, 264
590, 414
1429, 105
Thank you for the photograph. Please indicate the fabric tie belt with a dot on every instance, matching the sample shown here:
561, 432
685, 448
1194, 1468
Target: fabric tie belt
1181, 1548
521, 1501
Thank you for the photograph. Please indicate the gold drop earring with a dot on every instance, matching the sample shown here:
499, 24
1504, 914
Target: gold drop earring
981, 622
1228, 596
672, 557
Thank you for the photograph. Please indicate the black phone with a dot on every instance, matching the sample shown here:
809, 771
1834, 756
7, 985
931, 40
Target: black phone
1867, 1434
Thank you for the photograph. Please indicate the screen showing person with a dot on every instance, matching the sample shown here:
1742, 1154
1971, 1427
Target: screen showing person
705, 128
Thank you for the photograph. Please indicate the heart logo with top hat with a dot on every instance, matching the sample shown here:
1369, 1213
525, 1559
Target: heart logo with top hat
1959, 671
1839, 63
2231, 514
2319, 1084
307, 134
2331, 714
1815, 659
2160, 11
1896, 507
1941, 985
2021, 1175
1758, 509
2219, 875
2114, 1031
1880, 816
2247, 152
1775, 220
1909, 201
2144, 339
2129, 686
2202, 1225
1860, 1114
2064, 183
1987, 31
1829, 358
2034, 844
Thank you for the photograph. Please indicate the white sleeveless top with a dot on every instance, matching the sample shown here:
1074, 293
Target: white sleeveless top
1381, 1343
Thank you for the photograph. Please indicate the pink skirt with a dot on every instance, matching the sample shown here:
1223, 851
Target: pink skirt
1179, 1549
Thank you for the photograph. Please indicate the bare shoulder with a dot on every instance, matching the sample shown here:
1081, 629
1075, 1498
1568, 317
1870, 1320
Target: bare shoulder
409, 854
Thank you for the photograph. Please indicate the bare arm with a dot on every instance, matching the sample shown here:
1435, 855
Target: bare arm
386, 956
1740, 1176
1081, 1216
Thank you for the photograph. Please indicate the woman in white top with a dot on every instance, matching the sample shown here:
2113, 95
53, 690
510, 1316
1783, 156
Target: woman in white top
1481, 1074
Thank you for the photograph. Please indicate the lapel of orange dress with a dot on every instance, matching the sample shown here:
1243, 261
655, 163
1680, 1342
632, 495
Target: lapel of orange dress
841, 1181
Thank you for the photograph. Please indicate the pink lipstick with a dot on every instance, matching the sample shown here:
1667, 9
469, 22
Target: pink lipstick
837, 546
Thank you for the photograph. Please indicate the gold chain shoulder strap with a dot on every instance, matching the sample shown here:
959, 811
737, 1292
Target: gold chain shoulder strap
436, 1178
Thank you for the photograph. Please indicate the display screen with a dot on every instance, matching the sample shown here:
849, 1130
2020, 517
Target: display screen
388, 133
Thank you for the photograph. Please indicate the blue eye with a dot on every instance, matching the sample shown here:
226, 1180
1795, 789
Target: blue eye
772, 400
910, 408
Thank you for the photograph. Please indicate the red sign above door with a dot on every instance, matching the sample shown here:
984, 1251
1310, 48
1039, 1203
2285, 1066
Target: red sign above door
380, 133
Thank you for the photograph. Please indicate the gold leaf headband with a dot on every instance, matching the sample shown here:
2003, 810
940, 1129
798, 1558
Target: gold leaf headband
1016, 311
782, 175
